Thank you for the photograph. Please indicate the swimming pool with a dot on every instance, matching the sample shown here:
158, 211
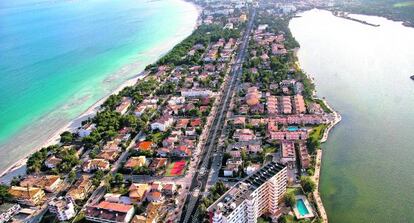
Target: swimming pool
300, 205
292, 128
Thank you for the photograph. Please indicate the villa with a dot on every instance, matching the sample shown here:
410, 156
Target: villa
95, 164
31, 196
134, 162
49, 183
162, 123
137, 192
109, 212
81, 188
123, 107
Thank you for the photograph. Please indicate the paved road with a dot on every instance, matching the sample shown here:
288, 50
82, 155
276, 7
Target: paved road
201, 177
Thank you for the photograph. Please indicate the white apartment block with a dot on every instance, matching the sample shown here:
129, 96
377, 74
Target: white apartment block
63, 208
195, 93
249, 199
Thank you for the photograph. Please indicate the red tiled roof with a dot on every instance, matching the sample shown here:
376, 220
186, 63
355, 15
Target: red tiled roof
114, 206
145, 145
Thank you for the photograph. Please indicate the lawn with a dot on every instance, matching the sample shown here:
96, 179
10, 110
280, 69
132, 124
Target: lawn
317, 132
323, 105
176, 168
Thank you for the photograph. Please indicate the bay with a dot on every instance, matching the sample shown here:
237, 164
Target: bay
363, 72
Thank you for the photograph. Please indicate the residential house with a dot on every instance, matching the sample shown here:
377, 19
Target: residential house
152, 214
31, 196
164, 151
81, 189
123, 107
243, 135
232, 166
158, 163
86, 129
181, 151
154, 196
162, 123
95, 164
169, 189
52, 162
109, 155
134, 162
196, 93
109, 212
145, 146
63, 208
50, 183
138, 192
111, 145
239, 121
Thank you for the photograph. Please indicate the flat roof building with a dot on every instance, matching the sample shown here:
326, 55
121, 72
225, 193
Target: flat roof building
256, 195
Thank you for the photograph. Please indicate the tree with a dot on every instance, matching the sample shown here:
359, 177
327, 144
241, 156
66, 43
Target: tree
4, 194
66, 137
290, 198
118, 178
97, 178
72, 176
286, 219
308, 184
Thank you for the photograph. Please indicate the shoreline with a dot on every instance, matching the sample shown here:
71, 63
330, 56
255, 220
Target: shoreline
8, 173
318, 164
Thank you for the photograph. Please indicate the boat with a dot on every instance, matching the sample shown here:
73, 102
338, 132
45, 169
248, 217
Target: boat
412, 77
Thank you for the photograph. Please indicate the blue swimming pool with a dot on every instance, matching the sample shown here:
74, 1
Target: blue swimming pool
300, 205
292, 128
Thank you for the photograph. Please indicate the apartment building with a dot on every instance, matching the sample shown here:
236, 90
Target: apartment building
63, 208
256, 195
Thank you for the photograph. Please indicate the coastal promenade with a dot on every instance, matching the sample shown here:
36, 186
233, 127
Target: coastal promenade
316, 193
337, 119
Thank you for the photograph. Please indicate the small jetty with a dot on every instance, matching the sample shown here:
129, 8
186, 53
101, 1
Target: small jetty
345, 15
412, 77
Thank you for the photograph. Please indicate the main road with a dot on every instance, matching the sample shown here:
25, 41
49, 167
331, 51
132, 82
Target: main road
200, 178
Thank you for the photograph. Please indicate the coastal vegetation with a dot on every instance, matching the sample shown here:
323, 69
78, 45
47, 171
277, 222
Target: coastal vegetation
69, 158
4, 194
203, 35
393, 9
307, 184
290, 198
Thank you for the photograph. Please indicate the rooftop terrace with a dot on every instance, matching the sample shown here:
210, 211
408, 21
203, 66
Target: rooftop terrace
242, 190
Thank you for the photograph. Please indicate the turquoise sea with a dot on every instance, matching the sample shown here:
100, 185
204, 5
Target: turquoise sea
58, 57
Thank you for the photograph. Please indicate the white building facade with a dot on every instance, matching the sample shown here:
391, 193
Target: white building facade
253, 197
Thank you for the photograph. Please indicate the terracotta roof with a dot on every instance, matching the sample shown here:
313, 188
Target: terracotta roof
24, 192
40, 181
145, 145
135, 162
114, 206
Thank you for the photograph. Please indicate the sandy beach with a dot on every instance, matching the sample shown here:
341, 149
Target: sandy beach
19, 167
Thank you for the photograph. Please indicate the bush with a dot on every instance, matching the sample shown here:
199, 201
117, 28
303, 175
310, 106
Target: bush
290, 198
308, 184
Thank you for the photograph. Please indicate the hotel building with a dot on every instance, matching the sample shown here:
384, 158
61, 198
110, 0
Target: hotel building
249, 199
